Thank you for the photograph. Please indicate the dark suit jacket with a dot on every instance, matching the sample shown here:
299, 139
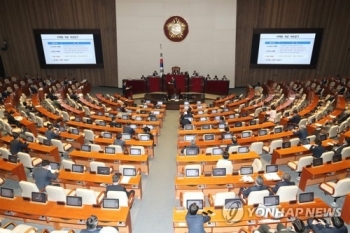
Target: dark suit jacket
295, 119
317, 151
43, 177
247, 191
195, 223
128, 130
119, 142
301, 133
280, 184
117, 188
11, 120
49, 134
320, 228
17, 146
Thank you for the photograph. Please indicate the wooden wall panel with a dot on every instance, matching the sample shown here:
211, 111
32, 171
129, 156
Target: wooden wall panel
18, 18
332, 15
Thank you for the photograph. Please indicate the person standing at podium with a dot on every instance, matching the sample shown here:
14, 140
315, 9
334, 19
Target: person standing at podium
173, 81
126, 90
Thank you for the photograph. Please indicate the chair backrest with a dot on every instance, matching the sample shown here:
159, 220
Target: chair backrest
55, 193
58, 144
95, 164
192, 196
121, 195
25, 159
311, 138
304, 161
41, 138
287, 193
327, 156
345, 153
233, 149
88, 196
257, 197
257, 147
333, 131
95, 147
294, 141
67, 164
4, 153
27, 188
109, 230
257, 165
275, 144
219, 198
342, 187
225, 164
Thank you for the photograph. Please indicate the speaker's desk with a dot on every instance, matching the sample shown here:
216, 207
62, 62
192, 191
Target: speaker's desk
59, 216
42, 151
111, 160
148, 145
220, 220
324, 173
13, 171
209, 161
213, 184
72, 180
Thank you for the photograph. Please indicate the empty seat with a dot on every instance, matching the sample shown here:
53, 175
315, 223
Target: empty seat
90, 197
58, 194
27, 188
298, 165
336, 189
287, 193
218, 199
124, 201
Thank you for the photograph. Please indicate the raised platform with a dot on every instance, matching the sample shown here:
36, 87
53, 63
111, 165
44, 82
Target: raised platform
172, 103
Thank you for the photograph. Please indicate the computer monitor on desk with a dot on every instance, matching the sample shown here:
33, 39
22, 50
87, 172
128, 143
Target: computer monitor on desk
39, 197
29, 139
110, 203
189, 137
144, 137
107, 135
88, 121
75, 131
227, 136
54, 166
129, 172
246, 134
286, 145
219, 171
135, 151
109, 150
217, 151
246, 170
74, 201
46, 142
337, 158
233, 203
272, 200
77, 168
102, 123
323, 137
306, 197
86, 148
209, 137
271, 168
191, 151
262, 132
192, 172
126, 136
278, 130
243, 149
12, 158
198, 202
222, 126
317, 162
7, 192
103, 170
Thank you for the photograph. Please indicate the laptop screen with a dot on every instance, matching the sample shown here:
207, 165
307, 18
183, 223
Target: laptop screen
243, 149
126, 136
77, 168
39, 197
246, 134
110, 115
278, 130
233, 203
238, 124
102, 123
203, 119
30, 138
103, 170
74, 201
271, 168
46, 142
118, 125
286, 145
188, 127
7, 192
110, 203
209, 137
221, 126
262, 132
337, 158
191, 151
89, 121
317, 162
159, 103
109, 150
246, 170
12, 159
323, 137
86, 148
54, 166
99, 113
107, 135
129, 171
75, 131
306, 197
217, 151
219, 171
189, 137
144, 138
193, 172
197, 201
227, 136
205, 126
252, 122
271, 200
135, 151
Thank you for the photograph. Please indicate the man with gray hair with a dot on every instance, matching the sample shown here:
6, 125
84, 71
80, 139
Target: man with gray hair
302, 134
259, 185
284, 182
192, 146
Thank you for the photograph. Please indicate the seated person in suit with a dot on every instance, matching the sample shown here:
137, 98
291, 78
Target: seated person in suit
91, 225
119, 141
264, 228
336, 225
259, 185
51, 133
195, 222
234, 143
295, 119
193, 145
284, 182
128, 129
227, 131
117, 187
340, 148
17, 145
222, 120
151, 115
11, 119
302, 134
43, 175
317, 149
147, 130
184, 121
33, 89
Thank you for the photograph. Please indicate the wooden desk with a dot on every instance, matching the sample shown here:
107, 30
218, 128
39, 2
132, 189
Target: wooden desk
46, 113
13, 171
45, 152
92, 106
71, 180
114, 160
203, 144
60, 216
345, 212
209, 161
219, 222
323, 173
212, 184
113, 105
72, 110
77, 138
283, 156
133, 142
221, 101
